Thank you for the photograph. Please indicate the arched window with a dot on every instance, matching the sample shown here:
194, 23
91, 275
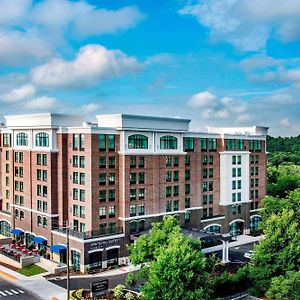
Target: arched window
141, 225
39, 220
214, 228
138, 141
254, 223
168, 142
42, 139
5, 228
22, 139
45, 222
133, 226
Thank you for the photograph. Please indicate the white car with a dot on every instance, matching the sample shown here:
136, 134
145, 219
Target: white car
249, 254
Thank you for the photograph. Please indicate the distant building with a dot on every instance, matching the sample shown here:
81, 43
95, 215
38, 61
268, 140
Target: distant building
111, 180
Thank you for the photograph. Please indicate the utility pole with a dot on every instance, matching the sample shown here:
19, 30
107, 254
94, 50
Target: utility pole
68, 261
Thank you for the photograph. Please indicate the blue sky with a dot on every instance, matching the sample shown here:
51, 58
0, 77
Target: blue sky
218, 62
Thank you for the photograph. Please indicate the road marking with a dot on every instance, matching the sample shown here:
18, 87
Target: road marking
20, 291
3, 294
7, 276
17, 293
8, 292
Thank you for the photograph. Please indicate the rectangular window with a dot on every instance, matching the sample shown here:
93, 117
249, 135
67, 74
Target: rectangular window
239, 184
111, 178
39, 190
45, 206
75, 161
252, 171
256, 182
44, 159
141, 208
175, 190
187, 175
6, 139
203, 144
234, 197
234, 159
75, 194
82, 195
230, 144
175, 161
211, 199
256, 171
111, 142
141, 178
102, 162
111, 195
16, 156
239, 172
111, 211
210, 172
102, 196
132, 194
7, 181
75, 142
204, 186
175, 205
188, 144
239, 196
7, 155
38, 174
111, 162
204, 160
211, 186
44, 175
239, 159
39, 205
21, 186
102, 229
75, 210
39, 159
21, 157
132, 178
168, 206
204, 173
256, 159
187, 203
141, 162
187, 160
45, 191
187, 189
211, 160
168, 161
102, 178
82, 227
132, 162
82, 161
212, 144
102, 212
234, 172
75, 177
169, 176
168, 191
21, 171
82, 211
240, 144
251, 145
82, 178
176, 176
204, 199
112, 228
81, 142
102, 143
141, 194
132, 210
234, 185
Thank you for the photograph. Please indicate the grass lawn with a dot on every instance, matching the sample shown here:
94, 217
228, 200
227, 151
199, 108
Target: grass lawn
31, 270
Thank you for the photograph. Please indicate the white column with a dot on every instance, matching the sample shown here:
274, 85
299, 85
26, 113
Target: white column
225, 252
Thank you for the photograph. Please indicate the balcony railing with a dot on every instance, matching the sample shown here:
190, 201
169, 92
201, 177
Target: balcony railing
89, 234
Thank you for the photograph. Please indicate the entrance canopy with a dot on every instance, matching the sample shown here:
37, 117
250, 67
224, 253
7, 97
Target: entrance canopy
17, 231
40, 240
58, 248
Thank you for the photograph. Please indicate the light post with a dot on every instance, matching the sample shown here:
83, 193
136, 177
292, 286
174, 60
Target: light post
68, 260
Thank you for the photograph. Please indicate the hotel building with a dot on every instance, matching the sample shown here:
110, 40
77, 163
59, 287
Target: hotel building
111, 179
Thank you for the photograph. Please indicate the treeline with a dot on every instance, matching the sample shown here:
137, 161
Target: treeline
283, 150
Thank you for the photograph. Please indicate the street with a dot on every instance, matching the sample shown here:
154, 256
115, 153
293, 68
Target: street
11, 291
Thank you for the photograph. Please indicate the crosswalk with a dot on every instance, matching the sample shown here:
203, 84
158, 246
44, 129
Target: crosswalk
10, 292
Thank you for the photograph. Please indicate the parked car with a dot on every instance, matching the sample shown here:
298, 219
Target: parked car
249, 254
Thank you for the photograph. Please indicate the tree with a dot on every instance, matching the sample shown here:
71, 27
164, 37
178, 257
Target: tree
279, 252
285, 287
147, 247
178, 272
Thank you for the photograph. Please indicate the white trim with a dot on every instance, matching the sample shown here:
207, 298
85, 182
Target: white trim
35, 211
213, 219
152, 215
236, 220
75, 249
95, 250
102, 238
5, 221
214, 224
255, 216
112, 247
194, 208
254, 210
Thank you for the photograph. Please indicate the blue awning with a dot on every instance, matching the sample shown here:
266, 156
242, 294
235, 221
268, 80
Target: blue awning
40, 240
58, 248
17, 231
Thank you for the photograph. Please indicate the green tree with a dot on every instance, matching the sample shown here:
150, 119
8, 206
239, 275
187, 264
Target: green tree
285, 287
178, 272
147, 247
279, 252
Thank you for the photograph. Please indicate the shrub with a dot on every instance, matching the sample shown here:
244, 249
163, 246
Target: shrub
130, 280
119, 291
129, 296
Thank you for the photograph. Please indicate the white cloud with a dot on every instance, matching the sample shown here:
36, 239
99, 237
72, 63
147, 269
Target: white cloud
19, 94
92, 64
212, 107
13, 11
285, 122
248, 24
90, 108
202, 99
41, 103
17, 48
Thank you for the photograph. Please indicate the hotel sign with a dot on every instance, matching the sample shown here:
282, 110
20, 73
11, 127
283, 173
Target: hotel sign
99, 287
104, 244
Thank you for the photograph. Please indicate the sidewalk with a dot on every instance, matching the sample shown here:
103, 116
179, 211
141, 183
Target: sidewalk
37, 284
241, 240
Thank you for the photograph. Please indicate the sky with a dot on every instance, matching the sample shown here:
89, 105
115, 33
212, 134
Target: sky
216, 62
